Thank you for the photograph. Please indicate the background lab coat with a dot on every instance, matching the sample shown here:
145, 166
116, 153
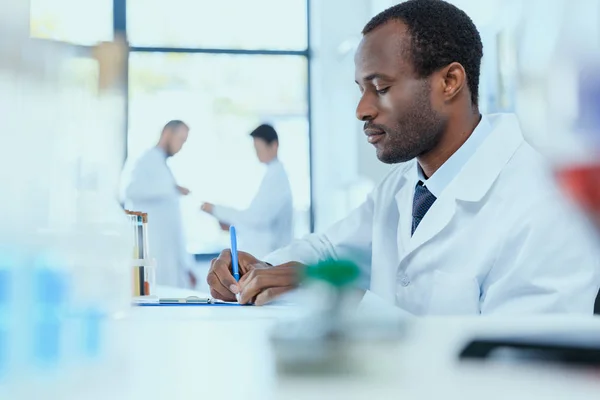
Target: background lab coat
152, 189
267, 224
499, 239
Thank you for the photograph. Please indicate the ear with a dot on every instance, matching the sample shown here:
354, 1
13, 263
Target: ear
454, 80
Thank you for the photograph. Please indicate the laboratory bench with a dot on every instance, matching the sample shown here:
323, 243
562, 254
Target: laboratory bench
226, 353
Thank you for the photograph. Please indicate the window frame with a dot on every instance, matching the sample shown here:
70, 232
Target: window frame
120, 30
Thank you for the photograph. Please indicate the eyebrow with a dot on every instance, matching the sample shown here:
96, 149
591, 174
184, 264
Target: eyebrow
374, 76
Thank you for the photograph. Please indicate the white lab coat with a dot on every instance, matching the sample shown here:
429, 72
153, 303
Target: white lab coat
499, 239
267, 224
151, 188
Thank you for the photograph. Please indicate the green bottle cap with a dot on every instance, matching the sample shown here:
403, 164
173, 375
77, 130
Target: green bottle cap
336, 273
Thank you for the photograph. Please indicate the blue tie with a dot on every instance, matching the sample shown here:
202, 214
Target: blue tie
422, 202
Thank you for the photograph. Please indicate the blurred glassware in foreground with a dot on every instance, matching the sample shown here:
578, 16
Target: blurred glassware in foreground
581, 178
332, 339
558, 91
65, 246
558, 95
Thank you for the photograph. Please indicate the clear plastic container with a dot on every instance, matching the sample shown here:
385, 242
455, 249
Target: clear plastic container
65, 244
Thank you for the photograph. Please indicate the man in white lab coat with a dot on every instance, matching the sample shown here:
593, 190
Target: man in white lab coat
152, 189
471, 223
266, 225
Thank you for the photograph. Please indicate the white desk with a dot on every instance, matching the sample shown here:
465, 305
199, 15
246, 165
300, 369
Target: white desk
224, 353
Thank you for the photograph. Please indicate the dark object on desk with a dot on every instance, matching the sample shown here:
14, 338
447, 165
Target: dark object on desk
529, 351
597, 304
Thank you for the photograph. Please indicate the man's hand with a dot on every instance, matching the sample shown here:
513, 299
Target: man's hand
262, 285
183, 191
207, 208
220, 277
259, 283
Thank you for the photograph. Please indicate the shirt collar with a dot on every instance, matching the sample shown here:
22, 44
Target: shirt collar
450, 169
161, 151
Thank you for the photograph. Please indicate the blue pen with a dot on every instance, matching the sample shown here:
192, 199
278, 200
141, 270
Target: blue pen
234, 254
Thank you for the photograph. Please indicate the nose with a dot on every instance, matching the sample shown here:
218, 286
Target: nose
366, 110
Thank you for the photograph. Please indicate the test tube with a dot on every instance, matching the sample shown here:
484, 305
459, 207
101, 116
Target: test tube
145, 233
133, 223
142, 273
140, 236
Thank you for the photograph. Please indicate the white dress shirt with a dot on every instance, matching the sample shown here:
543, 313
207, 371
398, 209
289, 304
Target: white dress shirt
451, 168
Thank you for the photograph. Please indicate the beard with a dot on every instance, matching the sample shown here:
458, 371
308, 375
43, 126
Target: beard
417, 132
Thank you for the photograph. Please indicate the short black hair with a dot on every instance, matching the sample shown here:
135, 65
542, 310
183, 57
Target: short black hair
265, 132
441, 34
174, 124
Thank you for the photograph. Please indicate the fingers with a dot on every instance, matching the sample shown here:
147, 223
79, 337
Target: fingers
216, 294
247, 262
267, 295
258, 280
220, 279
222, 269
217, 290
223, 285
247, 267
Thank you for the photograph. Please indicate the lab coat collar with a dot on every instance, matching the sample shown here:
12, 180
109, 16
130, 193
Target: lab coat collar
471, 184
161, 151
501, 138
481, 170
452, 167
273, 162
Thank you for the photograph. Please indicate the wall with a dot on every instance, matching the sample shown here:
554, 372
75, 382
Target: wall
15, 17
335, 29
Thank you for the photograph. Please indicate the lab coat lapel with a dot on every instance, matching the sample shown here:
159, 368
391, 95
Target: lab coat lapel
438, 216
482, 170
404, 199
472, 183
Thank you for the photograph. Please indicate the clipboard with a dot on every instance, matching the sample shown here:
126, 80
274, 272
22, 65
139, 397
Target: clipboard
185, 302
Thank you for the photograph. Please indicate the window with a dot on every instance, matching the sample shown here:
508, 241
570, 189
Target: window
222, 97
221, 66
84, 22
233, 24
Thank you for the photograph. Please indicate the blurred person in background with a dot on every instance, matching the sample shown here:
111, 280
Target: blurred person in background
152, 189
267, 224
470, 221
